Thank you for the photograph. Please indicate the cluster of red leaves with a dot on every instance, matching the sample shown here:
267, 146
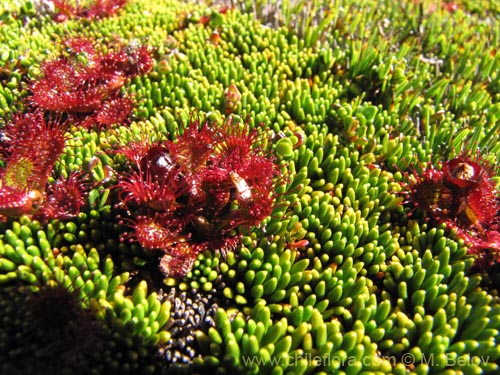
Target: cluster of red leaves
190, 195
30, 146
83, 87
84, 83
95, 10
462, 195
431, 7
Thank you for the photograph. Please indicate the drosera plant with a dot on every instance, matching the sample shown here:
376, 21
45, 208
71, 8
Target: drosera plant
31, 145
84, 82
184, 196
63, 10
462, 195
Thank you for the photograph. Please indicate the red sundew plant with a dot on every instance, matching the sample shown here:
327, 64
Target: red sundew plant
95, 10
486, 248
189, 195
462, 195
84, 83
428, 193
31, 145
64, 198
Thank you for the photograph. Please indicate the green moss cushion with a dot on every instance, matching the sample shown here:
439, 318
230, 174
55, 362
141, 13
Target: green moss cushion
350, 100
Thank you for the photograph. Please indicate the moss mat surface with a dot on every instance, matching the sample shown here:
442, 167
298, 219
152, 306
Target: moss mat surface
266, 187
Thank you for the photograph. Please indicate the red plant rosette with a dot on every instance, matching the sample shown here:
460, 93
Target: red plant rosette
186, 196
463, 195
